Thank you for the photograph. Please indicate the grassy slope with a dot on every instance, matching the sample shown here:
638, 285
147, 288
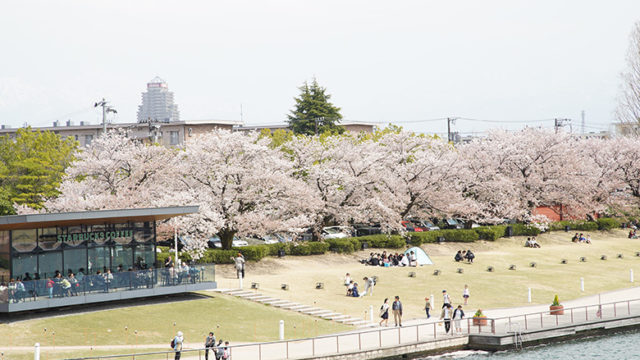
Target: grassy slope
502, 288
230, 318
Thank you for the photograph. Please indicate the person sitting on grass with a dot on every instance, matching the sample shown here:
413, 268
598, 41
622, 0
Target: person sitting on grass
404, 261
588, 239
470, 256
534, 243
354, 291
458, 256
350, 288
575, 238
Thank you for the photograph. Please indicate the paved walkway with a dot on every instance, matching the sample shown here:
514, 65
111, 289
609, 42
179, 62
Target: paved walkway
422, 328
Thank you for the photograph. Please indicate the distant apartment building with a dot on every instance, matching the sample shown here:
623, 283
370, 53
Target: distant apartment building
351, 126
157, 103
175, 133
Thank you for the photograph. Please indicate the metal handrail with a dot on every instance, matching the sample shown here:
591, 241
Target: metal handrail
571, 310
312, 339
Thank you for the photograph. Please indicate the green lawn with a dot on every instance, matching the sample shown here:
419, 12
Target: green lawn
501, 288
230, 318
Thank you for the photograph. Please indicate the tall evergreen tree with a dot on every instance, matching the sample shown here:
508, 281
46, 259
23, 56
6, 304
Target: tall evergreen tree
313, 113
31, 168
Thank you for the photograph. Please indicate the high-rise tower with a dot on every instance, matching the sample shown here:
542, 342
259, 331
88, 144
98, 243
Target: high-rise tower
157, 103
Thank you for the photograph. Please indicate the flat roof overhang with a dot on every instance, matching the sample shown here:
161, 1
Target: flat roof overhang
32, 221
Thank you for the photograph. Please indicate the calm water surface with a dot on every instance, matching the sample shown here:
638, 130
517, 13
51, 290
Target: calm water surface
618, 346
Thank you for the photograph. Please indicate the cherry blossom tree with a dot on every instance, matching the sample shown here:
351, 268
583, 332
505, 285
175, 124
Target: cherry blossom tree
421, 176
245, 187
526, 169
115, 172
341, 173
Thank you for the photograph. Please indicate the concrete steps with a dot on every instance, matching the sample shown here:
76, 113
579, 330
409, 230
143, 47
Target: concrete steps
301, 308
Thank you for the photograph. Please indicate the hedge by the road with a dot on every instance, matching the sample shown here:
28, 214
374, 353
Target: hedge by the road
383, 241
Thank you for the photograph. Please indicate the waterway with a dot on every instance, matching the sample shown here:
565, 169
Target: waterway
617, 346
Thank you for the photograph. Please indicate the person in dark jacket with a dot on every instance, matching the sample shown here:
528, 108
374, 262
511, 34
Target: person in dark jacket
396, 307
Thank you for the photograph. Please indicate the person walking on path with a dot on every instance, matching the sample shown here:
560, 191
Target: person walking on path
368, 286
384, 312
446, 300
177, 344
466, 294
427, 306
209, 344
397, 311
239, 261
458, 315
446, 316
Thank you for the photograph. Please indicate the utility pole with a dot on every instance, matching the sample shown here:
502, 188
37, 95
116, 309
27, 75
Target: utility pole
582, 114
105, 109
450, 120
558, 123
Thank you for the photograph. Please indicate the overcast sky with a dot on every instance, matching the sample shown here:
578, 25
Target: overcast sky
382, 61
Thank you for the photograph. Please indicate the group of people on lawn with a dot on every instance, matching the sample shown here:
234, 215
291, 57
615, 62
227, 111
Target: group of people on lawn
462, 255
581, 239
377, 259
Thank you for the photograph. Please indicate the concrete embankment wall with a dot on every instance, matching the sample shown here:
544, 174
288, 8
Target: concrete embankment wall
404, 351
498, 342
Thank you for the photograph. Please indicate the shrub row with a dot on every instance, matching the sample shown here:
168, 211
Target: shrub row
349, 245
584, 225
381, 241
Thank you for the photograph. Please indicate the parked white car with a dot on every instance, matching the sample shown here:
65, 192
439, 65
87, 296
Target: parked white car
335, 232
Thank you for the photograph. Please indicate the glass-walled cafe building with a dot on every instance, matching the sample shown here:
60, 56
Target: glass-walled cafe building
52, 260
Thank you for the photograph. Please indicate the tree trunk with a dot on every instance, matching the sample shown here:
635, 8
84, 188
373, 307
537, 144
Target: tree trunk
226, 238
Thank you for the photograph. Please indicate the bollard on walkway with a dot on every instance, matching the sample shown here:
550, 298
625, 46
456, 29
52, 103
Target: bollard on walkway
529, 296
281, 332
582, 284
630, 275
36, 354
371, 313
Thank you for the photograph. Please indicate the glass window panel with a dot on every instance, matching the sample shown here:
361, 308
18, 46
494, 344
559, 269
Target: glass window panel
144, 256
98, 259
48, 239
74, 260
121, 255
4, 267
143, 232
4, 241
49, 263
24, 263
23, 240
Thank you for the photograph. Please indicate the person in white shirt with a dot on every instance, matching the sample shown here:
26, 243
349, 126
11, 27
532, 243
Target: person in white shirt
446, 300
466, 294
458, 315
368, 286
413, 261
384, 312
347, 279
404, 261
446, 316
